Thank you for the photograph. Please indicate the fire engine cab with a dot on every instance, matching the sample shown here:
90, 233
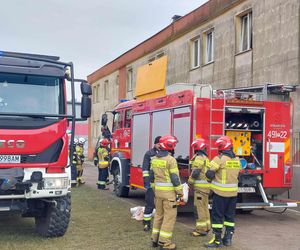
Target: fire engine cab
258, 119
34, 165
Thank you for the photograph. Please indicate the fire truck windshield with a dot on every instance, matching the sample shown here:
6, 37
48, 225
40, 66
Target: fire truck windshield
31, 94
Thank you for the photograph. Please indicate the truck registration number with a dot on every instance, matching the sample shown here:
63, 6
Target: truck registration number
10, 159
246, 190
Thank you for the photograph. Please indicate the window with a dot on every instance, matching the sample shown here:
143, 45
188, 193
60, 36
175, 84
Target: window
208, 50
106, 90
33, 94
97, 93
128, 118
244, 31
157, 56
129, 80
95, 130
117, 80
195, 53
117, 121
94, 93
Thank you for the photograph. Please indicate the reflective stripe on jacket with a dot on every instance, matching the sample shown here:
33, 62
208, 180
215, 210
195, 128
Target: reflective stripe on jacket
102, 154
200, 163
225, 182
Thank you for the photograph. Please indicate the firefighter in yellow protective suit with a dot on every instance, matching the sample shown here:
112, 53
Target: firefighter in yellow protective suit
200, 164
80, 159
103, 163
164, 176
223, 173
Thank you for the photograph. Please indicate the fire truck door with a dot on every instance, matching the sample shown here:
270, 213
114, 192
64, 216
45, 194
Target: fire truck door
277, 144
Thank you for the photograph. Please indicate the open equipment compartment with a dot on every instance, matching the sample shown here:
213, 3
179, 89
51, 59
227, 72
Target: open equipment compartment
245, 126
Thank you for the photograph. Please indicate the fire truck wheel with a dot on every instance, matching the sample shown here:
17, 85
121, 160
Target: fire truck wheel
119, 188
56, 218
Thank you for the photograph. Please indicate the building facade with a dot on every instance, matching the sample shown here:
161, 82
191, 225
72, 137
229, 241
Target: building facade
228, 43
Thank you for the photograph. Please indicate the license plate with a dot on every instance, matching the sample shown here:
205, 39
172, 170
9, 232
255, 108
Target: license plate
246, 190
9, 159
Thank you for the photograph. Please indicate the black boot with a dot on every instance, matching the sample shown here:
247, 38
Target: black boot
227, 238
147, 225
215, 242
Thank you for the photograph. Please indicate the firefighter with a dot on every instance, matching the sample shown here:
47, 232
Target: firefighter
223, 173
164, 175
200, 164
103, 162
80, 159
74, 163
149, 196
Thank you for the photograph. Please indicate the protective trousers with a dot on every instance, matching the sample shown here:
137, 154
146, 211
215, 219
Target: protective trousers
223, 213
73, 174
202, 212
102, 177
79, 168
149, 206
164, 220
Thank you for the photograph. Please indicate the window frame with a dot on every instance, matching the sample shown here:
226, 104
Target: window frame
248, 17
105, 89
119, 122
209, 47
240, 31
195, 62
129, 83
126, 119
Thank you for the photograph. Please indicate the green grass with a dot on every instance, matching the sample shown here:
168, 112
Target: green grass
99, 221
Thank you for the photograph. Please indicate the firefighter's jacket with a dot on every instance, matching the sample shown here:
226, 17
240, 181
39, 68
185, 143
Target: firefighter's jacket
146, 164
199, 164
164, 174
225, 181
79, 155
103, 157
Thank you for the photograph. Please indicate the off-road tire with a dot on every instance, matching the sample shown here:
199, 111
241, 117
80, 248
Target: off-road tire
56, 219
119, 189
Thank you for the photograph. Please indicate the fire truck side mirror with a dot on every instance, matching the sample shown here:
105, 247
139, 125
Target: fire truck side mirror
86, 104
86, 89
104, 120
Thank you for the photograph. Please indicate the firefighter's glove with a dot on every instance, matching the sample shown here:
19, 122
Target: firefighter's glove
210, 174
179, 193
196, 173
191, 181
106, 158
147, 182
96, 162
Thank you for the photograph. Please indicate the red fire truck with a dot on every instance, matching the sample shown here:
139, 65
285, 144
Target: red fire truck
258, 119
34, 165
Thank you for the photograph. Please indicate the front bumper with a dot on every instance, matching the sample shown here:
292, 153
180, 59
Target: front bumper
35, 189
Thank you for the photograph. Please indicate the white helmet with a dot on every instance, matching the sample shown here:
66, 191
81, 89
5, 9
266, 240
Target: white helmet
75, 141
81, 140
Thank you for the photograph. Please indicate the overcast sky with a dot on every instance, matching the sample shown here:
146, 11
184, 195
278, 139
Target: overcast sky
90, 33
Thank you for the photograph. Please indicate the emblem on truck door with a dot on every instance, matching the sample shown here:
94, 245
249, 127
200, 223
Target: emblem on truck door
12, 144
